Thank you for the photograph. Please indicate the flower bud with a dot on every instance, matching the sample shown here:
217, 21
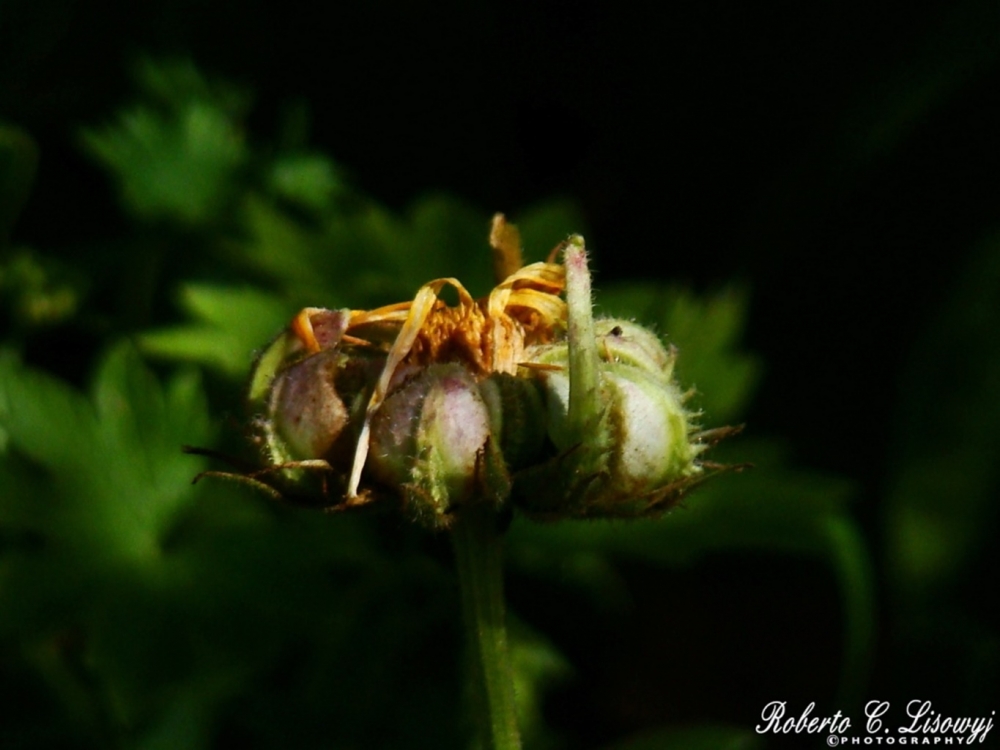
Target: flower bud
628, 343
307, 411
432, 438
309, 404
625, 444
636, 449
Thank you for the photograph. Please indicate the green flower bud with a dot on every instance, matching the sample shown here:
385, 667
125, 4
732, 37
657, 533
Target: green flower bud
637, 443
626, 446
325, 331
308, 405
432, 438
307, 411
628, 343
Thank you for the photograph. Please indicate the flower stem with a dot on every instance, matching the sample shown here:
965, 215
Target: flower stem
584, 403
478, 556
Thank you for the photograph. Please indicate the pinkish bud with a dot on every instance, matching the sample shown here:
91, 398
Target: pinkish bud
431, 438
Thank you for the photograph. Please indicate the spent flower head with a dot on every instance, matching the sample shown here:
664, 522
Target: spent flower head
520, 398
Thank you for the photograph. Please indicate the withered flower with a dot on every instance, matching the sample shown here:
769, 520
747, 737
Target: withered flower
518, 398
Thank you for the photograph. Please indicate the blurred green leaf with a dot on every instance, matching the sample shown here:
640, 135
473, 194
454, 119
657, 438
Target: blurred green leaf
142, 425
18, 162
282, 248
107, 488
106, 453
310, 181
176, 168
45, 418
538, 666
946, 468
175, 157
364, 256
367, 255
173, 84
228, 326
37, 290
768, 507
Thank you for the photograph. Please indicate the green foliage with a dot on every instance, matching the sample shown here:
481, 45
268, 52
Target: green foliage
127, 431
175, 157
230, 324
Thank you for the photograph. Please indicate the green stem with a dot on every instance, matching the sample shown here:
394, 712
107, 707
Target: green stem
478, 557
583, 378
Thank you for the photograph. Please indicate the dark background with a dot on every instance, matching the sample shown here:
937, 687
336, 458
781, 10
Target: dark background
839, 158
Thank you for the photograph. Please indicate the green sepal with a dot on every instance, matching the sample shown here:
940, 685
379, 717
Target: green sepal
270, 361
517, 417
